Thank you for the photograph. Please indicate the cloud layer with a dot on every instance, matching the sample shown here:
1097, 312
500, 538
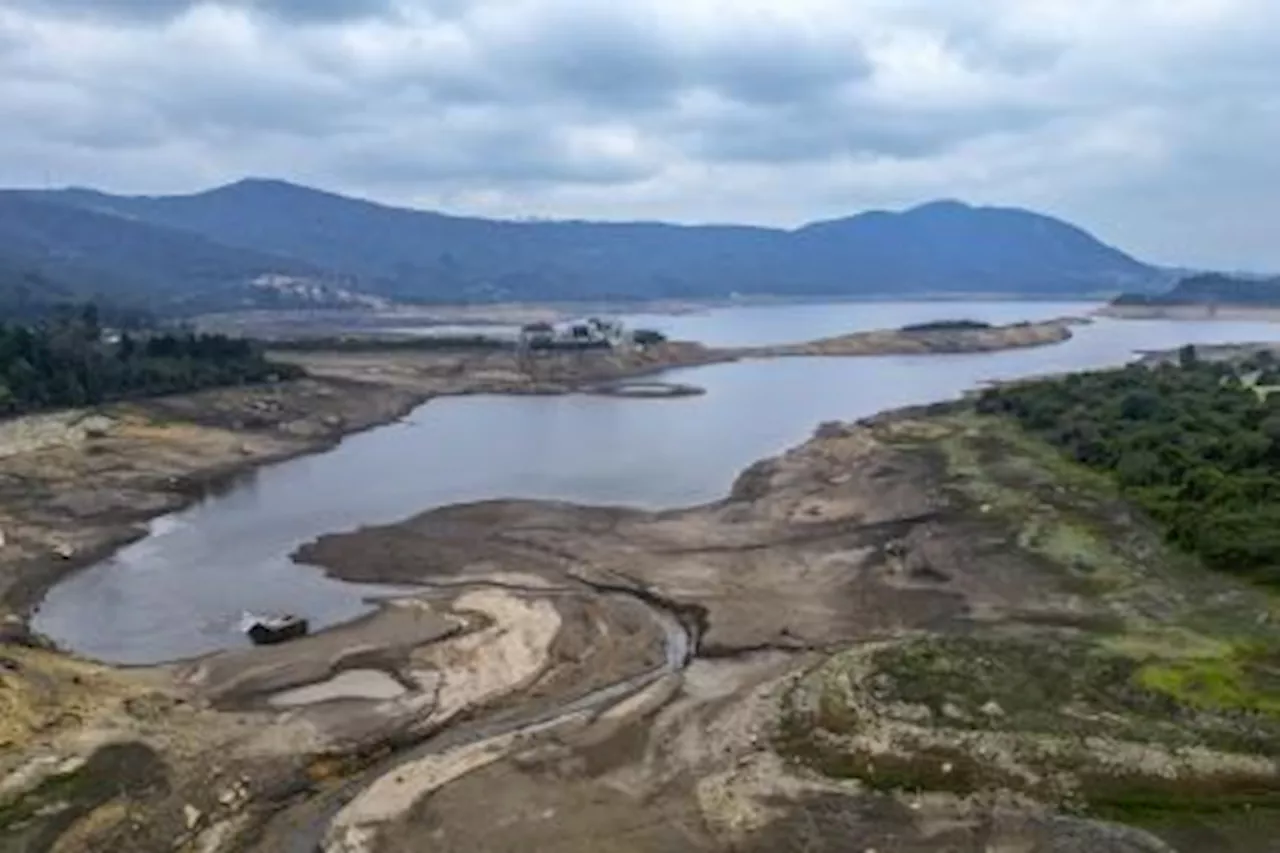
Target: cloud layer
1154, 123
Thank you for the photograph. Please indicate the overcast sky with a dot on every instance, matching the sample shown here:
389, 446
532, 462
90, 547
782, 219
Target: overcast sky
1154, 123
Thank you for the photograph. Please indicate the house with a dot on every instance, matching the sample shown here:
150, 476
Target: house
537, 334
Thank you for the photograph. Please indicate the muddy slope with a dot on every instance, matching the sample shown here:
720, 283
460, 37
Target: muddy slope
921, 633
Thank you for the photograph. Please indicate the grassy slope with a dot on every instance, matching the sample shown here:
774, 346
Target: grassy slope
1152, 695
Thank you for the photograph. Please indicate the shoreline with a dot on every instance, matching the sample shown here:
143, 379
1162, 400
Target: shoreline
518, 313
383, 399
863, 541
1187, 311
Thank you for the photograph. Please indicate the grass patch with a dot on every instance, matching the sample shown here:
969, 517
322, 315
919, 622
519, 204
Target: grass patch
1154, 654
932, 768
806, 736
1049, 684
1152, 801
1245, 678
115, 772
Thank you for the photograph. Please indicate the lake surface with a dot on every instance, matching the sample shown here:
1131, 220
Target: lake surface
179, 592
767, 325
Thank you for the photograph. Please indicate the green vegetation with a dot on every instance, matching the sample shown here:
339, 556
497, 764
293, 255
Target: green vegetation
1126, 682
429, 343
1212, 289
947, 326
69, 361
1193, 444
1245, 677
648, 337
116, 773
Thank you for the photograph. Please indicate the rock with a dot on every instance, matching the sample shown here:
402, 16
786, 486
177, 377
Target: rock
834, 429
191, 816
51, 809
953, 712
64, 551
992, 709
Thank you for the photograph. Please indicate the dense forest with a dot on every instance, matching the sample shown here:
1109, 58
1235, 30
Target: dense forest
69, 361
1196, 444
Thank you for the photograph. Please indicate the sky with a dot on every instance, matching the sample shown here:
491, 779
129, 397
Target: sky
1153, 123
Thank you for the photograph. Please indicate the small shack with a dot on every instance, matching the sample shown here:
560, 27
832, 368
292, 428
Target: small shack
532, 334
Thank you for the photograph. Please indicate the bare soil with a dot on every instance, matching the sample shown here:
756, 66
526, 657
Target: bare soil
538, 705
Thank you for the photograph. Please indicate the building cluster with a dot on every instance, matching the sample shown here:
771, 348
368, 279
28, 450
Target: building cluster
590, 333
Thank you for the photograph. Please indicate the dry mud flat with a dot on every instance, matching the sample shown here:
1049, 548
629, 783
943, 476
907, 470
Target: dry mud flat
76, 485
918, 634
742, 676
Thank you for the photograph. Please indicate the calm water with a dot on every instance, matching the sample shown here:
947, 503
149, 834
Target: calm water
786, 324
179, 592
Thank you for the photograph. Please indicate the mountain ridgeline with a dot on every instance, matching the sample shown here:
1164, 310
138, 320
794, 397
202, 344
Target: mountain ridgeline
260, 242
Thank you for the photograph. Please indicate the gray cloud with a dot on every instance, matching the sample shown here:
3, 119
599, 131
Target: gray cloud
163, 10
1133, 119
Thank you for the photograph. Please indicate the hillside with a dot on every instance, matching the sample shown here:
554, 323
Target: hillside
944, 247
1211, 289
52, 253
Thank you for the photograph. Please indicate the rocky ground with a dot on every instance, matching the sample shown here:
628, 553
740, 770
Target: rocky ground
926, 341
926, 633
921, 633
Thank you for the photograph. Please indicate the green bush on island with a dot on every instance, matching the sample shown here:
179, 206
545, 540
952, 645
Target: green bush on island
648, 337
69, 361
947, 326
1195, 444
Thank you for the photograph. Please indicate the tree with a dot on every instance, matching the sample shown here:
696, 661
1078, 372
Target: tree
90, 323
66, 362
1191, 443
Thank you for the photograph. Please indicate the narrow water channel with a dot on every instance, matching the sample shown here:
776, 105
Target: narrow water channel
179, 592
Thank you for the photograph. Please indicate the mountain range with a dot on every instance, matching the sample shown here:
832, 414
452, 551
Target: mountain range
264, 243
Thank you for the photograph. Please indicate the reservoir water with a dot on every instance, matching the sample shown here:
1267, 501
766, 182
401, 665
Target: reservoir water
179, 592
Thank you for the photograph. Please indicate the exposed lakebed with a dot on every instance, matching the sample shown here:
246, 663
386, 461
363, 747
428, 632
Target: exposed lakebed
179, 592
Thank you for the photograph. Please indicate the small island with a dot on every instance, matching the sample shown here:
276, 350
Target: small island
933, 338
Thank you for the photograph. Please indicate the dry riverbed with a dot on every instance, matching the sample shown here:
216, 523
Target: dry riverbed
919, 633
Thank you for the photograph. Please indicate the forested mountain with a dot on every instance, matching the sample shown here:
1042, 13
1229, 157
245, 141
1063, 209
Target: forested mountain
1212, 289
52, 253
944, 247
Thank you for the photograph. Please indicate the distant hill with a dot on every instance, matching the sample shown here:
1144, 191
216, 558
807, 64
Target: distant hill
1210, 289
410, 255
53, 252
